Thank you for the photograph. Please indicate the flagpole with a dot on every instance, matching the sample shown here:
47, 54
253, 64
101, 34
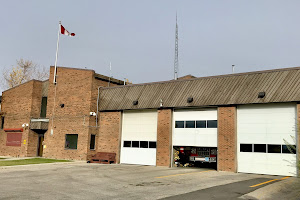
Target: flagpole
57, 45
54, 77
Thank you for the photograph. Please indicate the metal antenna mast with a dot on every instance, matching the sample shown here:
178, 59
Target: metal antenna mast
176, 64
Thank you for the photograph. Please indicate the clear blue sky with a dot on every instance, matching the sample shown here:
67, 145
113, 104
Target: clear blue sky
137, 36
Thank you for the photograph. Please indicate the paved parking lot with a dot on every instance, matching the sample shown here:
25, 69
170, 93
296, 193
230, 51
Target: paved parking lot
80, 180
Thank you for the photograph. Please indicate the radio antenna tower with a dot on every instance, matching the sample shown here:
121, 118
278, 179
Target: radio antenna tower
176, 64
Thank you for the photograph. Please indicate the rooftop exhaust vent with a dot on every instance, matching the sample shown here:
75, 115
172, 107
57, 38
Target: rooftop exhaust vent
190, 99
261, 95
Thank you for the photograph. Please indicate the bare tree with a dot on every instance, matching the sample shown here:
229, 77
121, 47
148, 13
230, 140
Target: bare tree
23, 71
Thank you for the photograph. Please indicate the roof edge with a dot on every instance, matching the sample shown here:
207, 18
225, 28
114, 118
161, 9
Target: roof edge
207, 77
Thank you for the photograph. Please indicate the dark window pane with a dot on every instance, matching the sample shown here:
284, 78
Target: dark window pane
143, 144
245, 147
136, 144
2, 122
260, 148
93, 142
201, 124
212, 123
190, 124
289, 149
179, 124
44, 107
127, 144
152, 144
71, 141
274, 148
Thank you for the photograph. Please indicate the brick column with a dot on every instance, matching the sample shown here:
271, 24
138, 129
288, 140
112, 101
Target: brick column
164, 138
108, 138
227, 142
298, 137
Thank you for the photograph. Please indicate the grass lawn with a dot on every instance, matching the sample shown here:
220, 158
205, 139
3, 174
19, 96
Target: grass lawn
2, 158
29, 161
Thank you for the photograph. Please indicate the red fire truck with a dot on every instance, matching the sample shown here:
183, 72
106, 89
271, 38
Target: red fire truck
203, 154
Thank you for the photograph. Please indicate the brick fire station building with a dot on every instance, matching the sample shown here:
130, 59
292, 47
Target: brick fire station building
241, 121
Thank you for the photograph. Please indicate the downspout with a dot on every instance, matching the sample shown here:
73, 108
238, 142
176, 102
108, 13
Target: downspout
97, 106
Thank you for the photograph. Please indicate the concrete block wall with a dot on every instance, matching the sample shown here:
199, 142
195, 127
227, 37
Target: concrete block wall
227, 139
164, 138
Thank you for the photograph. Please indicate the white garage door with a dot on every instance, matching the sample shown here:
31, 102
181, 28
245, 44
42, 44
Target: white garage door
261, 130
195, 128
139, 133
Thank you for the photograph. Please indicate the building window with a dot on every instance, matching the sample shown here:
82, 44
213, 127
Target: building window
274, 148
212, 124
190, 124
261, 148
140, 144
136, 144
179, 124
143, 144
152, 144
201, 124
44, 107
289, 149
245, 147
93, 142
127, 144
2, 122
71, 141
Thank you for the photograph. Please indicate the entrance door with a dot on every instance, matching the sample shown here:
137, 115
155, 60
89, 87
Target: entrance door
40, 145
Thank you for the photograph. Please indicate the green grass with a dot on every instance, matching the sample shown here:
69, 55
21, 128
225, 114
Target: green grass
29, 161
2, 158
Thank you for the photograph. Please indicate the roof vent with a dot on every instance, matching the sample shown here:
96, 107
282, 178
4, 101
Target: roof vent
190, 99
135, 102
261, 95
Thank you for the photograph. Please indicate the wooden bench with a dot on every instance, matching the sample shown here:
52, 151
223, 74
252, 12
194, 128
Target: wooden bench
103, 157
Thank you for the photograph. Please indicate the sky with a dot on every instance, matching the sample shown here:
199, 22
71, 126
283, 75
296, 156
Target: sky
138, 36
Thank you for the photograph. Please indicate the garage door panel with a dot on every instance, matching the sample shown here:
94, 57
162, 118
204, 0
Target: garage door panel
206, 137
266, 124
268, 163
138, 156
139, 126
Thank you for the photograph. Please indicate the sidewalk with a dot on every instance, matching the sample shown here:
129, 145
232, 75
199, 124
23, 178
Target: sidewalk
15, 158
285, 189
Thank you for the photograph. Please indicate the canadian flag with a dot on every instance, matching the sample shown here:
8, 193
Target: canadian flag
65, 32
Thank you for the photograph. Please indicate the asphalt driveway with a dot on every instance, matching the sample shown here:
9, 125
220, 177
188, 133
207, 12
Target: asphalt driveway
80, 180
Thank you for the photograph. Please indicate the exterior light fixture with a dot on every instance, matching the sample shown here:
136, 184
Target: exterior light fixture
190, 99
261, 95
161, 103
135, 102
62, 105
93, 114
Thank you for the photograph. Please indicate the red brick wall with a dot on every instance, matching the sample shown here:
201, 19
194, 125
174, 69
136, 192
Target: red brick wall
73, 89
227, 157
164, 138
109, 136
77, 90
19, 105
93, 108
